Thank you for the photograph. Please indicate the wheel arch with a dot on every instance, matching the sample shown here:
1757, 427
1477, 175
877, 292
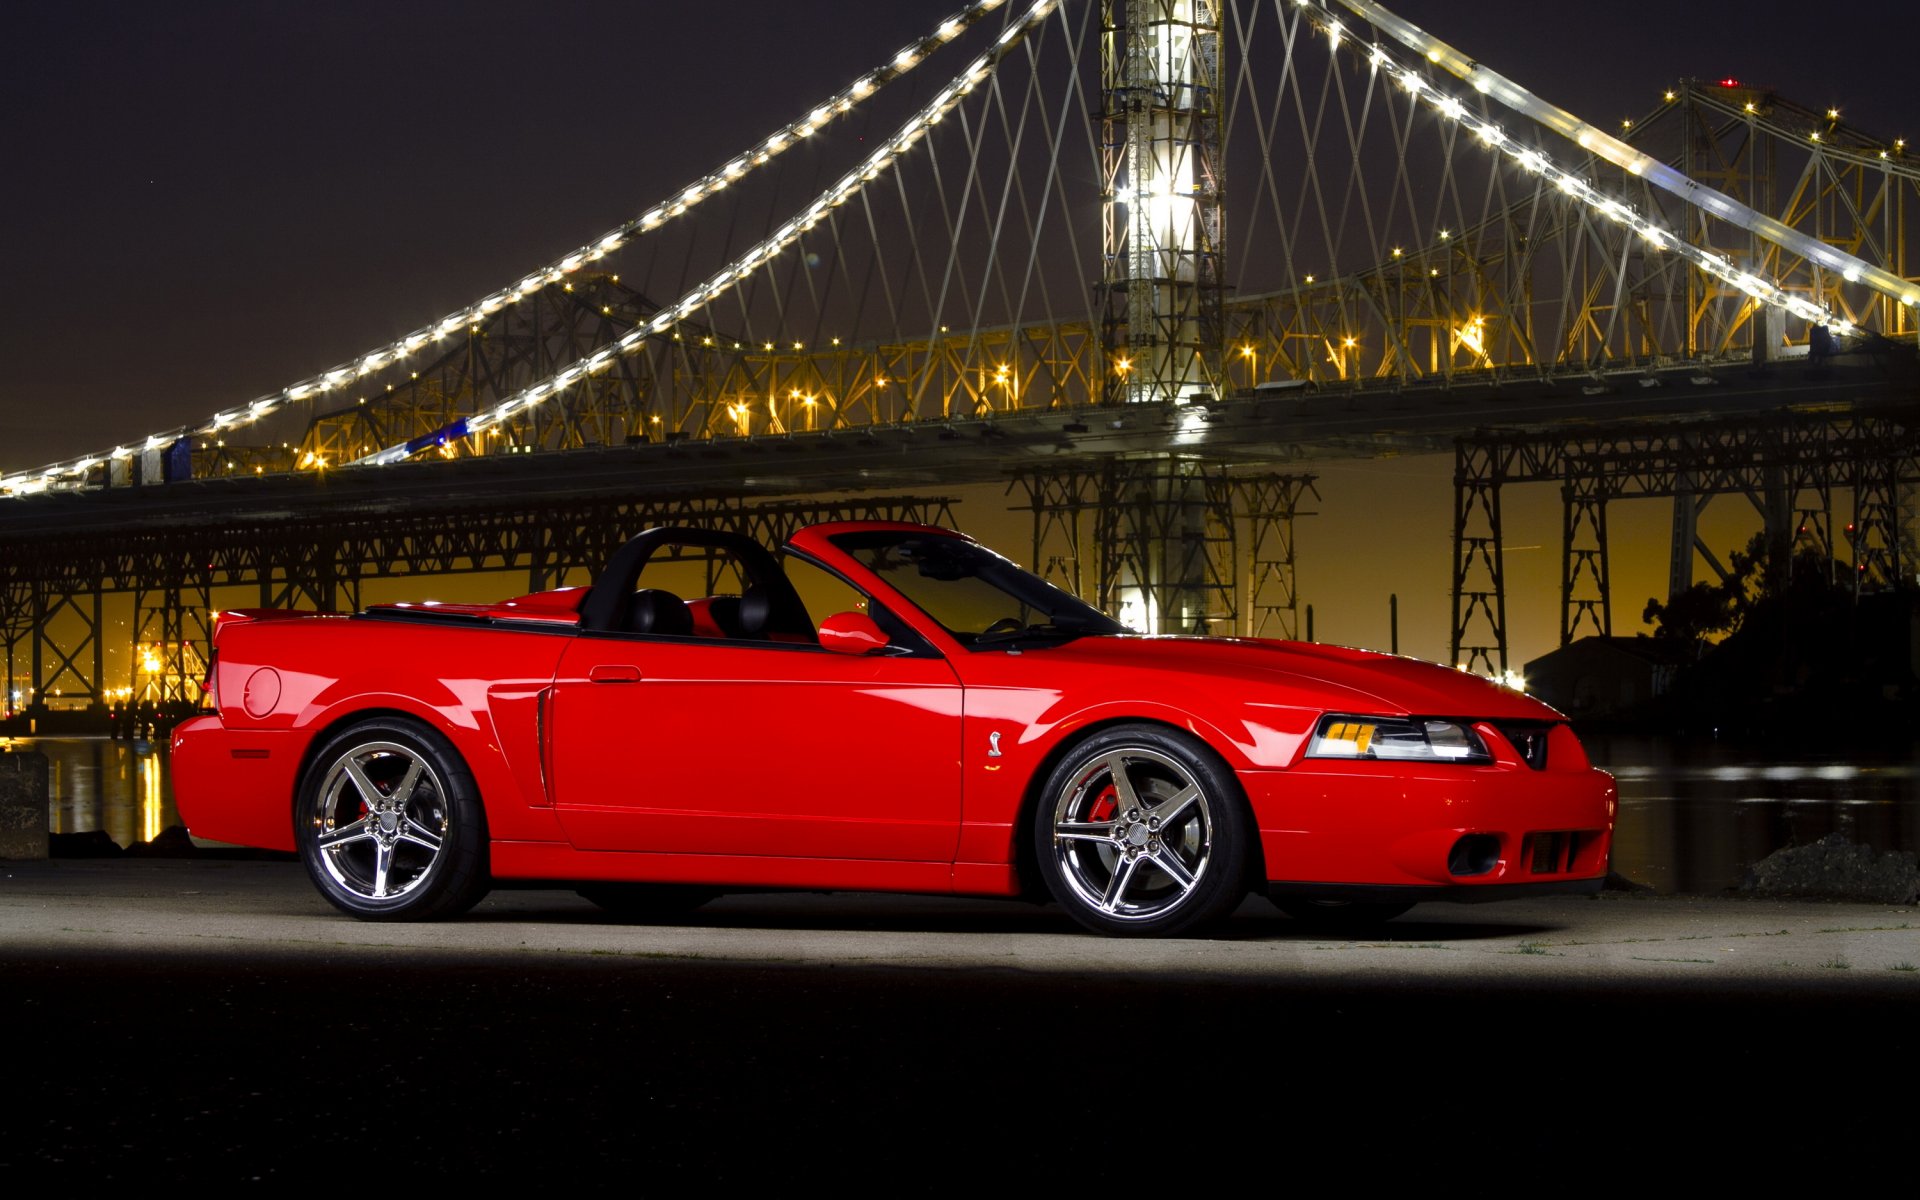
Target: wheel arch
1025, 853
324, 732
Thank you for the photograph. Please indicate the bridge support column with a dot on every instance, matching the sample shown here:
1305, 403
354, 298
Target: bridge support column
1586, 595
1060, 502
16, 626
172, 640
1479, 562
68, 603
1270, 598
303, 572
1167, 539
1875, 532
1178, 547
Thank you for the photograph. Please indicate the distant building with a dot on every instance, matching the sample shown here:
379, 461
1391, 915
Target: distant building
1605, 676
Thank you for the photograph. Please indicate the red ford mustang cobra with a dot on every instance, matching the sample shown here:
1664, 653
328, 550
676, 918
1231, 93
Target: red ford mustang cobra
881, 706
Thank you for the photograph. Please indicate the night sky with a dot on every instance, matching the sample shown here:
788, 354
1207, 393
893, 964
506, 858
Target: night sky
205, 201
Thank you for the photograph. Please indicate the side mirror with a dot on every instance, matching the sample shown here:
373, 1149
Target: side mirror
851, 633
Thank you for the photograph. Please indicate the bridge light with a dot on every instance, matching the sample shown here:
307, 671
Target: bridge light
1833, 114
1309, 279
1669, 97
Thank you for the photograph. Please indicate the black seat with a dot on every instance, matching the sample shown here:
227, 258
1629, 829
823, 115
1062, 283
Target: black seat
651, 610
742, 616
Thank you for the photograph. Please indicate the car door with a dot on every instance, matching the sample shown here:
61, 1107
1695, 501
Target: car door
711, 746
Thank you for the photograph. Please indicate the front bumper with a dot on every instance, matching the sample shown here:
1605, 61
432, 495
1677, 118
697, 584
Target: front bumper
1432, 831
1464, 893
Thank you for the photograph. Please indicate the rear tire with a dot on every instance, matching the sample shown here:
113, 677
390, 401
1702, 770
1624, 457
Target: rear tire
390, 826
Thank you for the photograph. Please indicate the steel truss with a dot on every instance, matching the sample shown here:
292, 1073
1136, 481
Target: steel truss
320, 563
1173, 545
1777, 461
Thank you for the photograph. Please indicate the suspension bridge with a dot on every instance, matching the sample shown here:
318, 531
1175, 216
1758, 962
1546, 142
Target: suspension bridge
1142, 262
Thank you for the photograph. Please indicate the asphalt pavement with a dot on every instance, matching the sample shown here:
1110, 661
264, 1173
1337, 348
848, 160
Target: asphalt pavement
216, 1021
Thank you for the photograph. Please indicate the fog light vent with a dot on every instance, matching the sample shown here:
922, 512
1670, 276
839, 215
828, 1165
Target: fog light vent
1474, 854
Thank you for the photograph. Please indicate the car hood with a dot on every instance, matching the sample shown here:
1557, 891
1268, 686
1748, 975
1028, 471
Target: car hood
1309, 673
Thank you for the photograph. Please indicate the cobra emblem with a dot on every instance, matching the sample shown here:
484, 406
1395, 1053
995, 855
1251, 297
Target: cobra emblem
993, 744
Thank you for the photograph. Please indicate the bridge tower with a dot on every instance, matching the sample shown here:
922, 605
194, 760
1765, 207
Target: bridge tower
1163, 326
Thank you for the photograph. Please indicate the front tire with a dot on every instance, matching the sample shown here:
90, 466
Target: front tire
390, 826
1142, 831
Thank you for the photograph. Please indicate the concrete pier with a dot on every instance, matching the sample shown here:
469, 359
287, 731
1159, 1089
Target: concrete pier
23, 805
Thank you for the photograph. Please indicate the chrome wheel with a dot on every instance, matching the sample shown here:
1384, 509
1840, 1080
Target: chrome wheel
380, 821
390, 826
1142, 834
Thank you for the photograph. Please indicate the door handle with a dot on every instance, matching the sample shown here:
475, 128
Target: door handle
614, 673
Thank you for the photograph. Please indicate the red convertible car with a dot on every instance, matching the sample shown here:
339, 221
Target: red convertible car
879, 706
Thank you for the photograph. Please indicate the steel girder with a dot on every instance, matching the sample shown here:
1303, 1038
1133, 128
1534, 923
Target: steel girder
1179, 546
1773, 460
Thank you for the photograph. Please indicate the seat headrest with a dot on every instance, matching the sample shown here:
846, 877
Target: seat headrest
651, 610
756, 608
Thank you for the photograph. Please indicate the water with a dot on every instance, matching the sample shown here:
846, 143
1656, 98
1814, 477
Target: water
99, 783
1693, 815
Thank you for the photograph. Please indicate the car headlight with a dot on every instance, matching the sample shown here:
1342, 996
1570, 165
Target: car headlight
1421, 739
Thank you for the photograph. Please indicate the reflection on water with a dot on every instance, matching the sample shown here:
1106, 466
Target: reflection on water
99, 783
1693, 815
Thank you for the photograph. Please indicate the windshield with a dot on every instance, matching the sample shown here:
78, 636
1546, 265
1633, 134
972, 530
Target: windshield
980, 598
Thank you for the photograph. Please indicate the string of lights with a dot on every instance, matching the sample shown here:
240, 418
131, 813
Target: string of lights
722, 281
1604, 145
73, 472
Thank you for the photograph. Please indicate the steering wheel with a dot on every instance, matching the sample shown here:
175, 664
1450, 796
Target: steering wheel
1003, 625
